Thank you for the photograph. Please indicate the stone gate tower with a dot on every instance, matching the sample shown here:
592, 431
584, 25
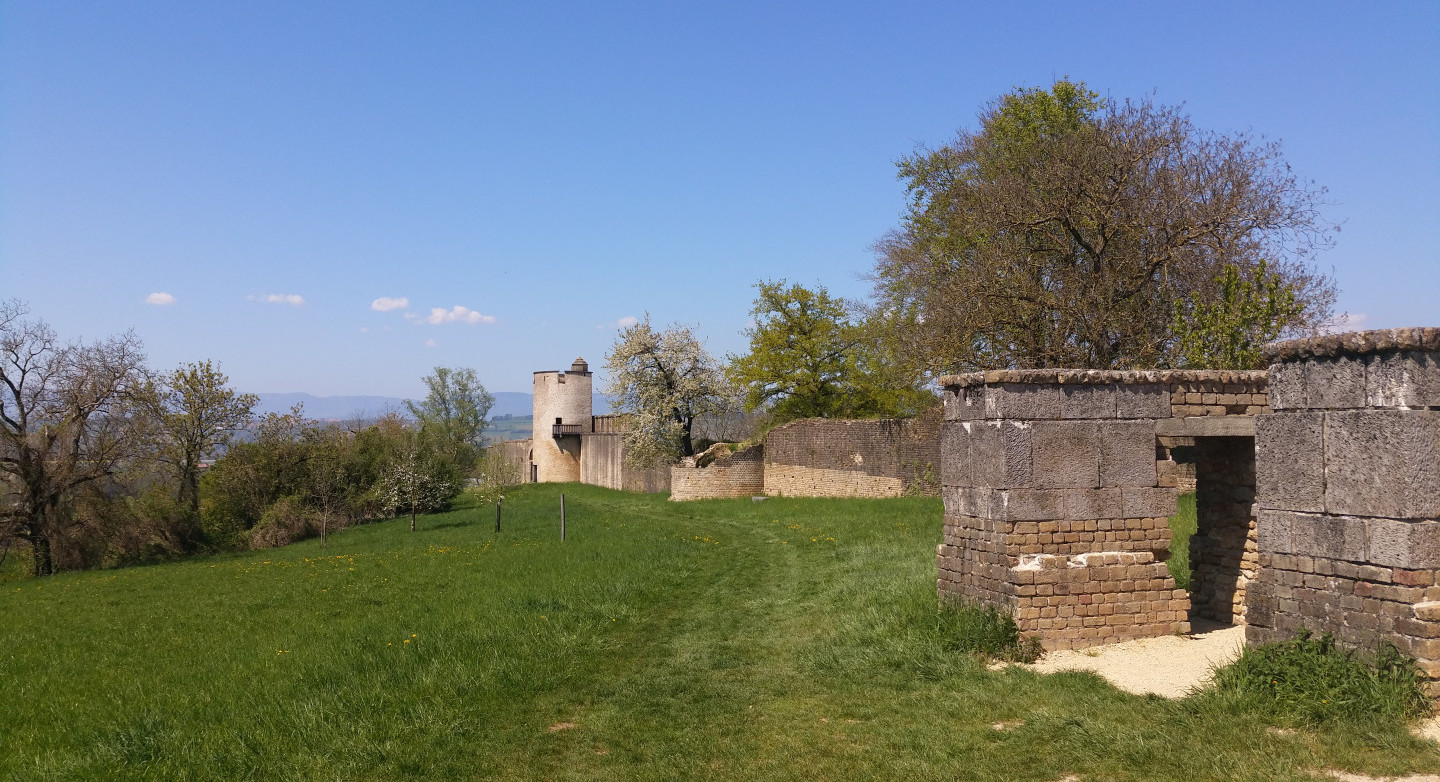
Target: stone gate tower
563, 409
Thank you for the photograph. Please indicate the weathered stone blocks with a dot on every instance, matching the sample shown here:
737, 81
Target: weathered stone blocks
1127, 453
1066, 454
1383, 463
1405, 544
1149, 400
1290, 461
1404, 379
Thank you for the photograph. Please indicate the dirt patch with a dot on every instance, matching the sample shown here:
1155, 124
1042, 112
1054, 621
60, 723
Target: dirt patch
559, 726
1170, 666
1346, 776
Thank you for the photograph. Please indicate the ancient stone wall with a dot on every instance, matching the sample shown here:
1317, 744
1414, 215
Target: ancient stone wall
741, 474
1048, 474
819, 457
1348, 492
1224, 557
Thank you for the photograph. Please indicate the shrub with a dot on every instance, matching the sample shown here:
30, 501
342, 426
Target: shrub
284, 522
1310, 681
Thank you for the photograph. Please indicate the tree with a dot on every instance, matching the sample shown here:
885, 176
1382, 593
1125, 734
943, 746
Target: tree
418, 479
809, 359
66, 411
664, 380
1230, 332
197, 413
1065, 230
455, 410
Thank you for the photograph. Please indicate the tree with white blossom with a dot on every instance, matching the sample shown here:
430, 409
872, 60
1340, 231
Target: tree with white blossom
664, 380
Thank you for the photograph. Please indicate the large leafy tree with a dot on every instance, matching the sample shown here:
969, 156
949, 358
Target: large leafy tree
454, 412
810, 358
66, 422
664, 380
1064, 231
197, 414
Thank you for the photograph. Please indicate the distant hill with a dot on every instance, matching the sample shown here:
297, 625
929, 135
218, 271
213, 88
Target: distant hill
330, 408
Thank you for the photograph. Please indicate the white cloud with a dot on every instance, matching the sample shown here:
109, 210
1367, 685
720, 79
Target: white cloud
430, 343
160, 299
1345, 321
293, 299
457, 314
385, 304
623, 323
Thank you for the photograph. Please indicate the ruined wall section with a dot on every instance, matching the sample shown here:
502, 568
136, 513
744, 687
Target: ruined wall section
741, 474
1054, 508
819, 457
1348, 489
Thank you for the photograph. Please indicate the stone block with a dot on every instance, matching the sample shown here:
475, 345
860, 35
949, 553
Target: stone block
1335, 383
955, 462
1085, 504
1142, 400
1287, 386
1383, 463
1087, 401
999, 453
1403, 544
1290, 461
1066, 454
1028, 504
1143, 503
1332, 537
1272, 530
1402, 379
1022, 401
1127, 453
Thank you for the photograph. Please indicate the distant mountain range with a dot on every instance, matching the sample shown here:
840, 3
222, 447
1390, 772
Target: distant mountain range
334, 408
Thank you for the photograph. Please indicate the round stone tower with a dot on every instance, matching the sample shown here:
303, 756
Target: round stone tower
563, 408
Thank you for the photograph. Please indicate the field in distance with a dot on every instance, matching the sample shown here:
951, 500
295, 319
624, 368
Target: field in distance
789, 639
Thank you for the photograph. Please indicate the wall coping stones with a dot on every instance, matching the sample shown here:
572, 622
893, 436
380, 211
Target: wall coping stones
1353, 343
1104, 376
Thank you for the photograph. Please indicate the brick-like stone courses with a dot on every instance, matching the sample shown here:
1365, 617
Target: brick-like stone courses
886, 457
1348, 491
1224, 553
741, 474
1047, 474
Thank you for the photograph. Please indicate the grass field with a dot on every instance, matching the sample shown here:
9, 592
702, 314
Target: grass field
783, 640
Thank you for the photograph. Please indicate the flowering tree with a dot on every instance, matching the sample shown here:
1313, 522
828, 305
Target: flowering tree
664, 380
418, 479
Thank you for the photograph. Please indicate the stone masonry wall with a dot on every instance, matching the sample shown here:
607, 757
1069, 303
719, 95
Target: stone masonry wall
1224, 557
1053, 504
741, 474
820, 457
1348, 492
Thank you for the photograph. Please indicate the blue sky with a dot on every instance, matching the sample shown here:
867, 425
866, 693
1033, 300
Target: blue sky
553, 168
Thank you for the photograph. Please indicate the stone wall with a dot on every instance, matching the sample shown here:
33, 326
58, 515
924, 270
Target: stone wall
602, 461
1054, 507
1224, 557
1348, 492
819, 457
741, 474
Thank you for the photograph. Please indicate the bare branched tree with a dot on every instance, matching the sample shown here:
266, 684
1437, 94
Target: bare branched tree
65, 421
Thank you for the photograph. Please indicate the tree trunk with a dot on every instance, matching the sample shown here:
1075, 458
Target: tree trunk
412, 517
44, 563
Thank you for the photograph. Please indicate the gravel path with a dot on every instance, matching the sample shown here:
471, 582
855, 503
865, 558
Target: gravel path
1169, 666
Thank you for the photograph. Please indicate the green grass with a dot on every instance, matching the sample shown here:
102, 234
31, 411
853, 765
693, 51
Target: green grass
1182, 525
785, 640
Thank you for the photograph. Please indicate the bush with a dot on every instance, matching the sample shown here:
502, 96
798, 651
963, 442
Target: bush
284, 522
1310, 681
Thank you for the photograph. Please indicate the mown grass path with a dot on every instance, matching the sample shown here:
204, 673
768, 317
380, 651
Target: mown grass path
789, 639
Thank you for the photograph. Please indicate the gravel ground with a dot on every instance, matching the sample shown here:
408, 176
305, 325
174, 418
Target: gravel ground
1169, 666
